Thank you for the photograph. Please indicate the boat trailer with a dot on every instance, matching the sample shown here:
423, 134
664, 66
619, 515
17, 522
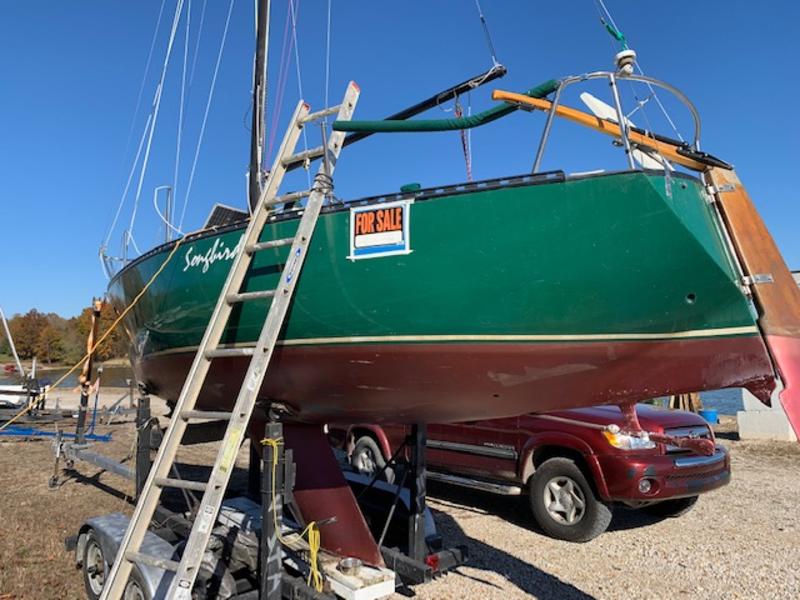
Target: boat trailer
256, 550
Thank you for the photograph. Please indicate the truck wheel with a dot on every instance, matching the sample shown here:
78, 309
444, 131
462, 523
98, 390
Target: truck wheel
671, 508
95, 566
564, 503
367, 458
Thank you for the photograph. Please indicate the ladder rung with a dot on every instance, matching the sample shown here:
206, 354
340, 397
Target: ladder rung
267, 245
181, 484
321, 114
158, 563
302, 156
290, 197
216, 415
245, 296
226, 352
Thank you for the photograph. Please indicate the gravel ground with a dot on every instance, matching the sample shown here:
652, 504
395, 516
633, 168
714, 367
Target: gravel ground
742, 541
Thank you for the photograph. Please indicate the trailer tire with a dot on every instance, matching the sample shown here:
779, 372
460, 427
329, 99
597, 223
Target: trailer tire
564, 503
94, 566
367, 458
135, 589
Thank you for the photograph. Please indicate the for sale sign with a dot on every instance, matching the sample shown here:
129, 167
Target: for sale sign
380, 230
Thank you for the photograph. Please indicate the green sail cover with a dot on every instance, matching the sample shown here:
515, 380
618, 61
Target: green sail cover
487, 116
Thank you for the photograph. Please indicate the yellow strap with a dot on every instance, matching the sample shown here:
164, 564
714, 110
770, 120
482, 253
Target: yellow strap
311, 532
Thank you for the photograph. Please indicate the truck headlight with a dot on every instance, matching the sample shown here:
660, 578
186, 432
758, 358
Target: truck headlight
625, 441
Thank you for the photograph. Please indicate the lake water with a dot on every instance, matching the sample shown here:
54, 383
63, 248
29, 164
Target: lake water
727, 402
115, 376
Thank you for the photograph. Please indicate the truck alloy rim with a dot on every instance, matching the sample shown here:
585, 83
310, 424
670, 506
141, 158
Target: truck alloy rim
564, 500
365, 462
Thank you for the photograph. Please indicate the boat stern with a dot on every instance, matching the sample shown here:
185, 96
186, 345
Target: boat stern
775, 293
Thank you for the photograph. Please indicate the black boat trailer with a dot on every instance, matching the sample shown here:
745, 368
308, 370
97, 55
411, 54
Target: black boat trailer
263, 568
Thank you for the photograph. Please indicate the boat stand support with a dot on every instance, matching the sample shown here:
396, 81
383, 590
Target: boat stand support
417, 546
277, 482
272, 513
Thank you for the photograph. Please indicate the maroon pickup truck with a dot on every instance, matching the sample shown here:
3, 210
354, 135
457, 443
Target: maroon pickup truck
574, 465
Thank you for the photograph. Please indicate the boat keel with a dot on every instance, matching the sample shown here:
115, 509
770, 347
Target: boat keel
323, 495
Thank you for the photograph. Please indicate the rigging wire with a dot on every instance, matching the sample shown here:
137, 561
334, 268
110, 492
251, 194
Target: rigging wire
121, 203
127, 184
144, 75
469, 136
154, 111
486, 33
606, 14
327, 60
197, 42
182, 105
293, 13
282, 75
205, 115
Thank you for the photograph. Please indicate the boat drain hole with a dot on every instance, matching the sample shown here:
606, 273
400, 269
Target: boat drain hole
495, 395
691, 298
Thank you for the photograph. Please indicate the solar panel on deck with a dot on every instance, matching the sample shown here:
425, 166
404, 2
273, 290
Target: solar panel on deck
222, 215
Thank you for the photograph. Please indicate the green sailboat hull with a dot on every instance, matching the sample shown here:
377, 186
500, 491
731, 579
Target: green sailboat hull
517, 295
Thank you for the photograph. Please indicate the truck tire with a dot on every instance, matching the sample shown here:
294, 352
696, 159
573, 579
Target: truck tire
671, 508
368, 458
564, 503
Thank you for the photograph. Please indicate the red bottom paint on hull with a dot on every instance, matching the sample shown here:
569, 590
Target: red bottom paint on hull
786, 351
441, 383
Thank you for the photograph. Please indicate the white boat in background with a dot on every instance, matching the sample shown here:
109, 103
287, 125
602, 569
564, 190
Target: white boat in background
13, 396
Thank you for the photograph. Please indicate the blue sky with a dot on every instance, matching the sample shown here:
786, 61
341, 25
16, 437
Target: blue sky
72, 71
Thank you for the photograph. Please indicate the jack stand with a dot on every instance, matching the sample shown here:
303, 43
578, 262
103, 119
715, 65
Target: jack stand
254, 472
272, 516
86, 375
277, 484
80, 427
417, 547
52, 483
144, 425
425, 557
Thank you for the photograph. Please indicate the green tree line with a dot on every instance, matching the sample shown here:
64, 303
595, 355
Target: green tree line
52, 338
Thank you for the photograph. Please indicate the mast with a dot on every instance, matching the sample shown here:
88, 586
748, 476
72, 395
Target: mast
259, 102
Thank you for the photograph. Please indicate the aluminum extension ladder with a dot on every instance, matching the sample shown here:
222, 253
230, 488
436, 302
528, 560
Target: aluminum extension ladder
213, 491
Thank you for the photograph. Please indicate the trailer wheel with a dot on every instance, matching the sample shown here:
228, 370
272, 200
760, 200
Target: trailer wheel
367, 458
564, 503
95, 566
135, 589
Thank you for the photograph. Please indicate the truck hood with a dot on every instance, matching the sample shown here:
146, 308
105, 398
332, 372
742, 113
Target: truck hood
651, 418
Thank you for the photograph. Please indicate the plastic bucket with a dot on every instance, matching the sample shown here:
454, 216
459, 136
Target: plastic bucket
710, 415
